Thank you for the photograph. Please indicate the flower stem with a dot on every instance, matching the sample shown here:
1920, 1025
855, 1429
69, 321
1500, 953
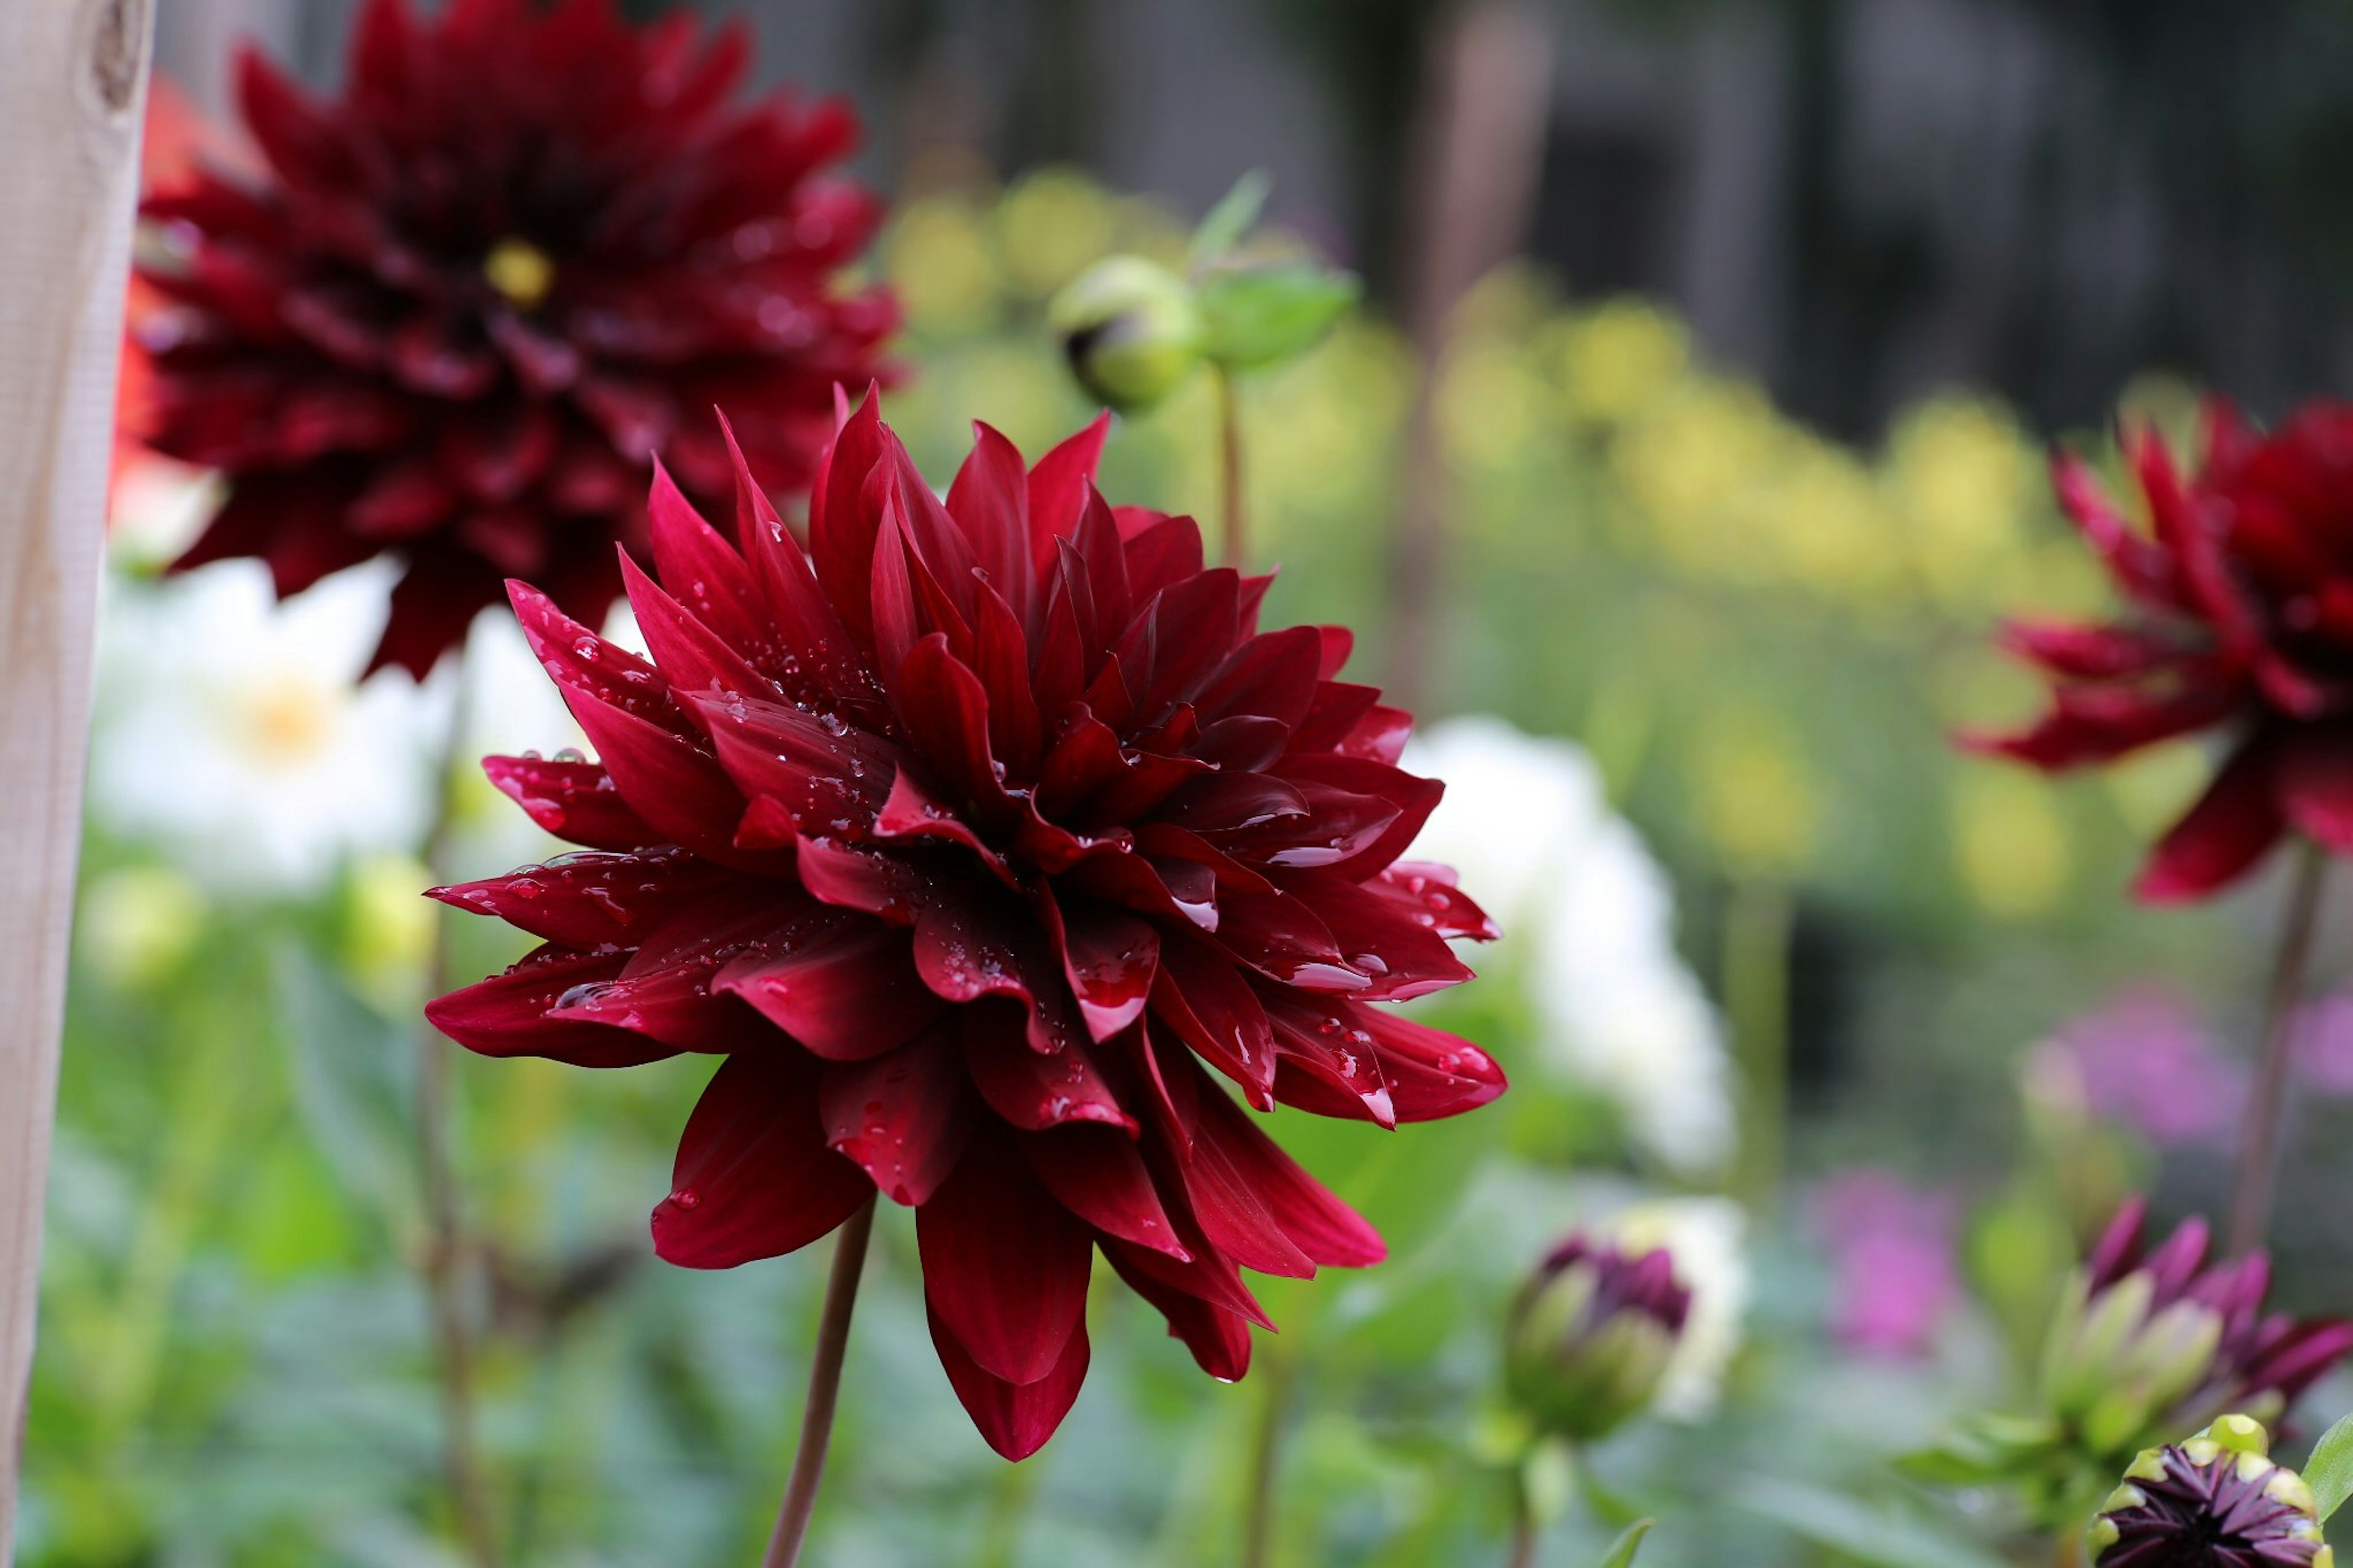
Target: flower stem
824, 1390
1757, 928
1523, 1527
1266, 1461
1229, 463
2255, 1169
453, 1345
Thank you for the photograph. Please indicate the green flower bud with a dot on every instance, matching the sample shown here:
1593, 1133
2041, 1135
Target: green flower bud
1590, 1337
1130, 329
2215, 1501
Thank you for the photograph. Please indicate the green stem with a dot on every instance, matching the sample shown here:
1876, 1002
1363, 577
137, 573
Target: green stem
1266, 1461
445, 1250
1229, 463
1758, 923
2255, 1172
824, 1390
1523, 1527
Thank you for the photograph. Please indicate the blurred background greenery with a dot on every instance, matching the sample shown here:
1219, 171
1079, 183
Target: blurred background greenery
1906, 1046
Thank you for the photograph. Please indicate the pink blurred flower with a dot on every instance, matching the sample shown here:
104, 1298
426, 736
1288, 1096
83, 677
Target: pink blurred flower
2145, 1059
1891, 1248
2324, 1047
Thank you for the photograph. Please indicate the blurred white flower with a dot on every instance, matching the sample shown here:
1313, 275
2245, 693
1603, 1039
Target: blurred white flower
1707, 1237
234, 732
1589, 929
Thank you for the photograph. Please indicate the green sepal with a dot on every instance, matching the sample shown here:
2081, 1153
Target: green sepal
1263, 315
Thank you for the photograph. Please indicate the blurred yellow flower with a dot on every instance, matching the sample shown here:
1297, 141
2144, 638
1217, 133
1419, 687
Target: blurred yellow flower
938, 256
388, 928
1621, 357
2153, 787
1755, 796
1050, 224
138, 924
1962, 473
1685, 461
2009, 842
1490, 404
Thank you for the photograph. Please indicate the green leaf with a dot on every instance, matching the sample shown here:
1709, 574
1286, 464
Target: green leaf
1263, 315
2329, 1471
1880, 1537
1223, 227
1621, 1550
353, 1089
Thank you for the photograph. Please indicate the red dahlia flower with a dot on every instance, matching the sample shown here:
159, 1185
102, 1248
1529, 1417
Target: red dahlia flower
968, 838
475, 294
2240, 618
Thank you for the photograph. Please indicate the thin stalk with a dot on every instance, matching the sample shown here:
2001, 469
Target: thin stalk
1757, 927
1523, 1527
1229, 466
1266, 1461
2255, 1171
824, 1390
453, 1340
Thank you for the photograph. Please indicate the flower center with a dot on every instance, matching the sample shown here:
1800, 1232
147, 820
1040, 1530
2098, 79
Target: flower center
286, 722
521, 271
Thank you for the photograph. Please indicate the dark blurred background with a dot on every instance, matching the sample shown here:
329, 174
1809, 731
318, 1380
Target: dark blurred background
1854, 200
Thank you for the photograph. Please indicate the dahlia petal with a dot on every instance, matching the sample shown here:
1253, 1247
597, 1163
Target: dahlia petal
1282, 939
1167, 840
1161, 550
2232, 825
966, 946
847, 988
507, 1015
583, 665
585, 900
1379, 736
1213, 1010
828, 776
689, 654
989, 499
1414, 799
1425, 893
2315, 783
574, 801
1338, 827
1059, 486
904, 1116
1005, 1266
1032, 1090
891, 599
854, 879
1001, 660
1096, 1174
932, 536
1104, 557
1180, 639
1326, 1229
403, 501
947, 712
1402, 957
1222, 1185
1271, 676
2088, 653
755, 1177
1222, 803
1085, 757
1109, 957
2196, 547
303, 142
1116, 875
710, 579
1014, 1418
1328, 1062
805, 636
1431, 1074
2139, 567
431, 609
677, 788
841, 531
1219, 1338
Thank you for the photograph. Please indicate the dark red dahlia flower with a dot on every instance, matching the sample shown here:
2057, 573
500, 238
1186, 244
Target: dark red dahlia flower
476, 293
2240, 618
972, 838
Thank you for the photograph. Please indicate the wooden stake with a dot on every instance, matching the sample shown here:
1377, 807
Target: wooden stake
73, 82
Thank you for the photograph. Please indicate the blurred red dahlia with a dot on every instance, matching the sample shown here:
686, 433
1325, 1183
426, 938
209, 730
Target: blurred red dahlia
967, 837
475, 294
2240, 618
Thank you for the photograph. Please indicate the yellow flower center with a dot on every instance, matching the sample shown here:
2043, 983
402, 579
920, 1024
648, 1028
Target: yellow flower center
287, 721
520, 270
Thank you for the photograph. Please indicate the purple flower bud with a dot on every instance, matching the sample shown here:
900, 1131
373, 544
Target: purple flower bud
1591, 1335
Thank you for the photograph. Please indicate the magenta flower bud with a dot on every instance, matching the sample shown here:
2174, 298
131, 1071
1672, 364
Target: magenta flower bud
1591, 1335
2215, 1501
